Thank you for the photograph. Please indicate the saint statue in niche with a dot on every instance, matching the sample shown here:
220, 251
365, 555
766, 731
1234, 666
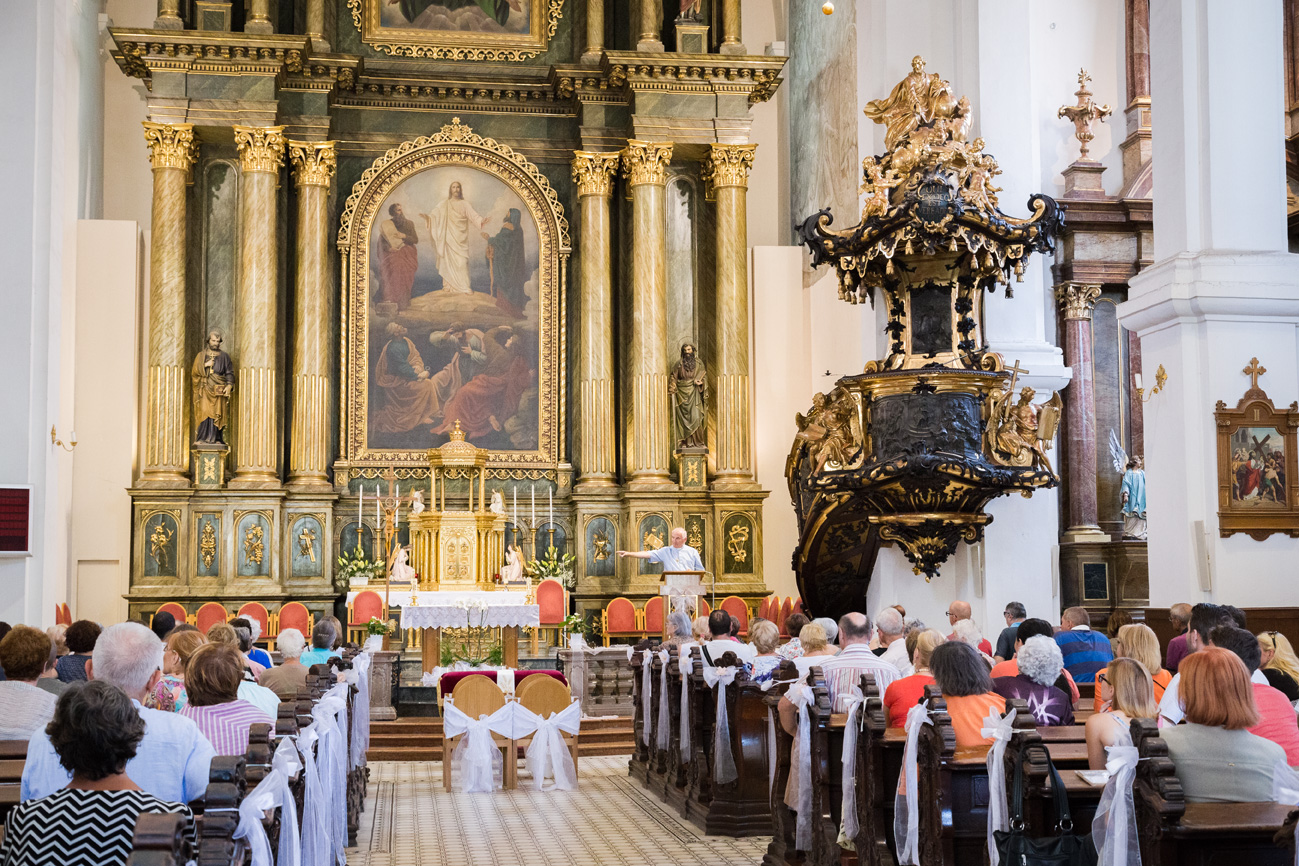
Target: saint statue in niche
1132, 497
691, 10
214, 380
689, 389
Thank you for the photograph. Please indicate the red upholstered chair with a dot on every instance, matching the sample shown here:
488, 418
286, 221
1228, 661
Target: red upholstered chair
552, 599
798, 606
735, 606
786, 608
209, 615
64, 615
620, 619
294, 614
652, 616
367, 604
704, 609
765, 611
177, 610
256, 610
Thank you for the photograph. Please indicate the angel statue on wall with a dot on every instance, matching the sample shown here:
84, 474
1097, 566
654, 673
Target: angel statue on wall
1019, 433
417, 502
399, 570
831, 430
498, 503
1132, 495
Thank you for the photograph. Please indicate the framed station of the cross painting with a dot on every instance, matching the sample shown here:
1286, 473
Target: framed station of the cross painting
1258, 487
454, 251
493, 30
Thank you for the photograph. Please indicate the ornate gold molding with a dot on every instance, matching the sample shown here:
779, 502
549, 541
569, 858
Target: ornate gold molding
261, 148
593, 172
1077, 300
728, 165
313, 162
171, 145
445, 45
646, 162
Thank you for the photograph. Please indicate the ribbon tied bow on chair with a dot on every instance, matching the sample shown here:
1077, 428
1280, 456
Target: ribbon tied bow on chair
906, 820
801, 696
999, 729
476, 756
273, 792
852, 727
548, 755
1114, 829
723, 761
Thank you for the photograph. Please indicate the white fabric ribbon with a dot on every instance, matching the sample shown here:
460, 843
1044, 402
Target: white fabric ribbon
906, 814
360, 674
324, 749
1285, 789
852, 727
661, 730
801, 696
547, 754
1114, 829
476, 755
999, 729
723, 760
273, 792
646, 683
505, 679
315, 801
686, 663
771, 749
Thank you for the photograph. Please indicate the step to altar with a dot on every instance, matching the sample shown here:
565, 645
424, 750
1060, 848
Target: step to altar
420, 739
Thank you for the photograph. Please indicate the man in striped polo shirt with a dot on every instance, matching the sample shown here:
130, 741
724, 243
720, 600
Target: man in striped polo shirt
1085, 651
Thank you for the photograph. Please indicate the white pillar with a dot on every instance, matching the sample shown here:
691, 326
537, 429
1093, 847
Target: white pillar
1222, 289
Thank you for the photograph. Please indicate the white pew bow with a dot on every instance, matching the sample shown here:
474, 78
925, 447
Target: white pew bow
1114, 829
906, 820
646, 684
661, 729
1000, 730
801, 696
852, 728
723, 761
273, 792
476, 755
686, 664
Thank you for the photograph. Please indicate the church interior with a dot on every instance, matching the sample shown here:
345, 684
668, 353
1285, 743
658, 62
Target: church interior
575, 409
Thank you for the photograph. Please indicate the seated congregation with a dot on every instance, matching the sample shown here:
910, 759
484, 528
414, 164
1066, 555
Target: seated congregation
167, 745
890, 742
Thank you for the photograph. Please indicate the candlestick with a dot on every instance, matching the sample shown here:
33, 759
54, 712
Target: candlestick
551, 502
397, 518
378, 519
533, 488
360, 505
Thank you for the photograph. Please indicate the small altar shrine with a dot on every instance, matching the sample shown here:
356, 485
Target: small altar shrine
457, 550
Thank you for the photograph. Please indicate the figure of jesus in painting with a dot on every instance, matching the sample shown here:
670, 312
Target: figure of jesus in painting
448, 228
398, 258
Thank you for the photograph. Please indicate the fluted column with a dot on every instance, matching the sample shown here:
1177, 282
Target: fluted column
172, 151
651, 11
1077, 300
594, 31
261, 153
731, 28
645, 166
313, 163
727, 172
593, 173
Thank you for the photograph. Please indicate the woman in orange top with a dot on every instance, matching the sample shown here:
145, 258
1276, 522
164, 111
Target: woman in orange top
903, 694
1135, 641
959, 670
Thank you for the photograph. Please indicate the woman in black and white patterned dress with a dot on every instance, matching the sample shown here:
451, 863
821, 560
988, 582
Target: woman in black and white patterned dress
95, 731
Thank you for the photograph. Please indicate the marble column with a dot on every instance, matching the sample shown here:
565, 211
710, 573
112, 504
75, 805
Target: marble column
259, 17
593, 174
168, 16
1136, 146
1077, 300
316, 26
651, 13
172, 151
256, 456
645, 167
727, 173
313, 163
594, 31
731, 28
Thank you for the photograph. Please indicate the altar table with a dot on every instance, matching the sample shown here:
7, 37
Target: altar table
505, 610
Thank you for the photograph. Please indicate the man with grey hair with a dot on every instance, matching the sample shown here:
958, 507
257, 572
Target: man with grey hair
174, 758
291, 674
844, 671
1015, 613
892, 631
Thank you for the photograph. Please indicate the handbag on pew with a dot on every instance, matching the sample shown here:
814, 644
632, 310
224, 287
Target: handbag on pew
1066, 848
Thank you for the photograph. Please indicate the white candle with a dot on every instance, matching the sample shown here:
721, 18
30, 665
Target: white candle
397, 518
377, 518
360, 505
551, 503
533, 488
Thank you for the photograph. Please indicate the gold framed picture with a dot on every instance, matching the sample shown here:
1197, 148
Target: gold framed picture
454, 257
493, 30
1258, 490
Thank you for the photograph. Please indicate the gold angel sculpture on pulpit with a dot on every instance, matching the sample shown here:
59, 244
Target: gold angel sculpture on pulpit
1019, 433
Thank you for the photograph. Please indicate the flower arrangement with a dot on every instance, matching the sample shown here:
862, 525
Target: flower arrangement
572, 623
556, 566
356, 565
470, 650
377, 626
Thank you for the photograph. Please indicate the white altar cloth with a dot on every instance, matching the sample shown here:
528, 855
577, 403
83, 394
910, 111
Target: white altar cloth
494, 615
399, 596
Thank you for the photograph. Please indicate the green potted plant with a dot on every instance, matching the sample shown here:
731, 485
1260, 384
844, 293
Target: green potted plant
378, 628
556, 566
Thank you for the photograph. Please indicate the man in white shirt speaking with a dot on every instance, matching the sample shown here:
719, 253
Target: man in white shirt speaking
677, 556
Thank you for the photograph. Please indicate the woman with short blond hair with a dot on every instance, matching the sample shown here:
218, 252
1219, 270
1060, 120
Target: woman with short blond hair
765, 637
1130, 696
1135, 641
1217, 759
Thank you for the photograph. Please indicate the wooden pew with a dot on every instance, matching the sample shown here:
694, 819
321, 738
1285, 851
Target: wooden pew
781, 850
13, 755
160, 840
1174, 832
638, 766
878, 766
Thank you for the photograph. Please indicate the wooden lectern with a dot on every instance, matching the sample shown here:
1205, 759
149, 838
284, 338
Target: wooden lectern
684, 584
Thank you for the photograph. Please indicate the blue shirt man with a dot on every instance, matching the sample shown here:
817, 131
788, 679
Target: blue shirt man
677, 556
1085, 651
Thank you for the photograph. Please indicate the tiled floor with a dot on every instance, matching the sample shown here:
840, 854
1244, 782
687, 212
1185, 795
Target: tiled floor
410, 821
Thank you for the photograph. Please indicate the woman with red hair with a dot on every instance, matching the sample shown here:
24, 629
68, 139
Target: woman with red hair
1217, 759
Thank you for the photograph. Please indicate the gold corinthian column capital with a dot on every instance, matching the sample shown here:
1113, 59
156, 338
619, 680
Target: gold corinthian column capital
314, 162
172, 153
593, 172
646, 162
1077, 300
261, 148
728, 165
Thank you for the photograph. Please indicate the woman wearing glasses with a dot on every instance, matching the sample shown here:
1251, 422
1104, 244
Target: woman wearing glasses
1131, 696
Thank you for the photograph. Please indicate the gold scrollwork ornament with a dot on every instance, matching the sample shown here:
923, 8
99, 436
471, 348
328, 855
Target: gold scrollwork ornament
593, 172
600, 540
158, 541
737, 541
207, 544
254, 545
